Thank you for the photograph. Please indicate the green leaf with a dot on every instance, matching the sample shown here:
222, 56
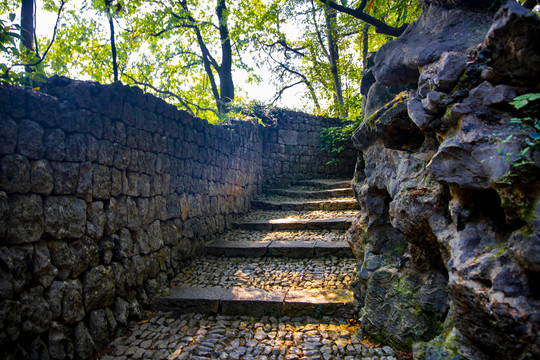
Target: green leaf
12, 17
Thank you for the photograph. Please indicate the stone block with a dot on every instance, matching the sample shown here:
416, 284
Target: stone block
36, 314
65, 217
10, 320
72, 302
333, 248
101, 182
238, 248
83, 345
75, 147
252, 302
44, 271
85, 252
30, 140
66, 177
292, 249
8, 135
25, 223
318, 302
15, 174
54, 142
41, 176
190, 300
61, 258
98, 287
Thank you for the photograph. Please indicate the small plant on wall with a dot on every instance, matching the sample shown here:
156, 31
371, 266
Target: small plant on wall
336, 139
528, 106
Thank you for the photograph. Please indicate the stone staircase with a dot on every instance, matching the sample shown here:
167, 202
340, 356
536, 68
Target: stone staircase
287, 257
274, 288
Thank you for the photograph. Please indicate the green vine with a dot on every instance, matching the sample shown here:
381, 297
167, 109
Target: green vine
336, 139
529, 107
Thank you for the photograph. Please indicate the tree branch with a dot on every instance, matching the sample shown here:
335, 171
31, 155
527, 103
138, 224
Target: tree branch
163, 92
380, 26
52, 40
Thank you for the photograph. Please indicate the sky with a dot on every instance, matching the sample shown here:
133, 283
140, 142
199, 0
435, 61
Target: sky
263, 92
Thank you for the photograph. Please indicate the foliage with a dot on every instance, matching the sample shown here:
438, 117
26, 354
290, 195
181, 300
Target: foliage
14, 56
529, 107
336, 139
264, 114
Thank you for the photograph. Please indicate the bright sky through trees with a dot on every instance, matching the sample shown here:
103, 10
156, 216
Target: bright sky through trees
293, 53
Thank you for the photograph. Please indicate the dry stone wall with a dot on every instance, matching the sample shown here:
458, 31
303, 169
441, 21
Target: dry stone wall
292, 149
104, 192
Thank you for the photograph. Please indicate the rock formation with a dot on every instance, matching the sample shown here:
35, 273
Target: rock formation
449, 233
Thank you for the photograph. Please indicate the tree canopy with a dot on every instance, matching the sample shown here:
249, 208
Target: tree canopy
200, 54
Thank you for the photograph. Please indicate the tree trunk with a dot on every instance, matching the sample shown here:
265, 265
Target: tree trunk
330, 16
113, 48
27, 25
226, 85
113, 44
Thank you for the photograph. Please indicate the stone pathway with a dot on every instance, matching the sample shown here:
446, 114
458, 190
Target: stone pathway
276, 287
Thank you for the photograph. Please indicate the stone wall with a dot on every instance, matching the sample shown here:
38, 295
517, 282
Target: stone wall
104, 193
292, 149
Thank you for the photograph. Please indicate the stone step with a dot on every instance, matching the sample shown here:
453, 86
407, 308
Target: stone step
338, 223
257, 302
341, 204
325, 183
311, 194
291, 249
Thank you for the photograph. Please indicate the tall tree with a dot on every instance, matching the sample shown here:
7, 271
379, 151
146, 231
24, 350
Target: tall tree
28, 26
333, 57
109, 9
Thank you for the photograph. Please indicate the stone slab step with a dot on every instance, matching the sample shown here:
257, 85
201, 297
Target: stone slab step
338, 223
292, 249
257, 302
325, 183
319, 194
346, 204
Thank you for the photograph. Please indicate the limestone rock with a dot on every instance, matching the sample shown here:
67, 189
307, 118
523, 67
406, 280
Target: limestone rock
437, 30
514, 50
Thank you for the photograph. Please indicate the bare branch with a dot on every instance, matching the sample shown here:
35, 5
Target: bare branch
380, 26
163, 92
52, 40
319, 37
282, 90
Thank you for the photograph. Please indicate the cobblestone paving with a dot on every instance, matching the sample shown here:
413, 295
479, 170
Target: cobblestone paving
249, 235
196, 336
268, 273
264, 215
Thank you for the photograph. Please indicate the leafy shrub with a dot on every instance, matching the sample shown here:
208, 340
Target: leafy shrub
336, 139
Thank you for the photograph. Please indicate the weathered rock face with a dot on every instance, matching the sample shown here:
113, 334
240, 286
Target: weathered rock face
449, 237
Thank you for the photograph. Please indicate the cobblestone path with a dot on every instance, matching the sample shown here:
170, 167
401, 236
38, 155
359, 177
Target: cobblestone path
276, 287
